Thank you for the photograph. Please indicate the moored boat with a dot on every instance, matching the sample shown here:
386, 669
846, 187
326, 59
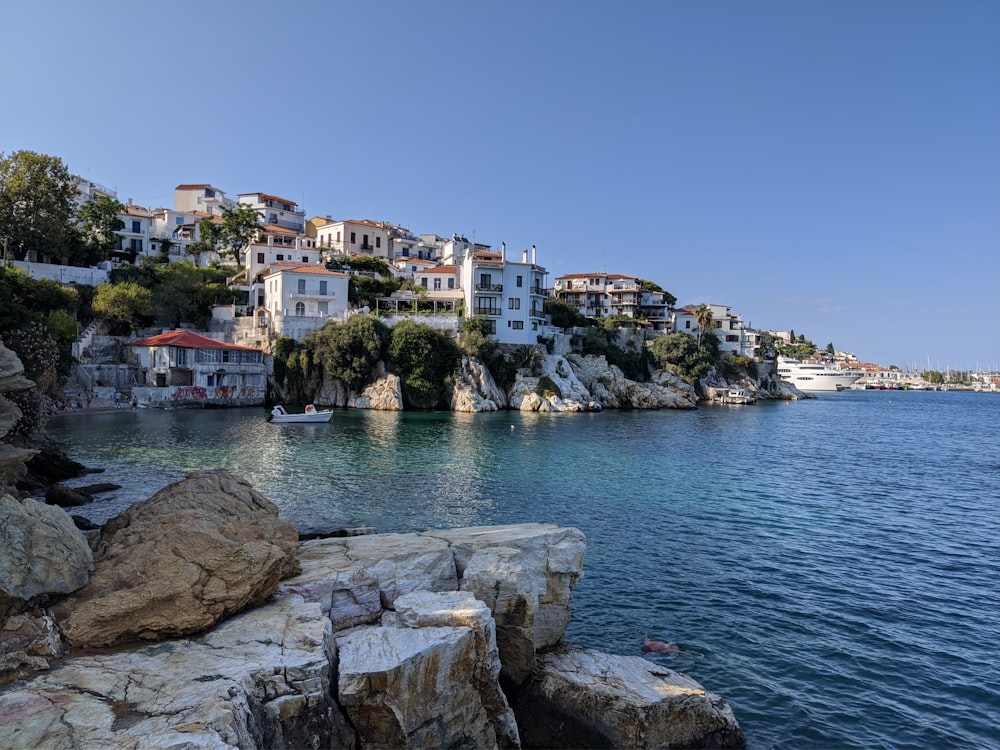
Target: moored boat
280, 415
809, 377
736, 396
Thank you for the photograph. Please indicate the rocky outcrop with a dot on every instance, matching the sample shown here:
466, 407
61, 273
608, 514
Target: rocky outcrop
12, 458
612, 390
197, 551
768, 386
394, 640
41, 553
534, 393
476, 390
583, 698
385, 394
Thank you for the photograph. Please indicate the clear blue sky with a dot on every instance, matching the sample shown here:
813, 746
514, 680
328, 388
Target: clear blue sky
830, 167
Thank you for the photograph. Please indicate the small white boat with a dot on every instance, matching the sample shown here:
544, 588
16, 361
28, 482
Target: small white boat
736, 396
279, 415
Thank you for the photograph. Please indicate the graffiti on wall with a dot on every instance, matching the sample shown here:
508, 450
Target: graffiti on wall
222, 392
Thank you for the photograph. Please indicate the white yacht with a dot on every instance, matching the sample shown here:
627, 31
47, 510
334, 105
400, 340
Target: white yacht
815, 377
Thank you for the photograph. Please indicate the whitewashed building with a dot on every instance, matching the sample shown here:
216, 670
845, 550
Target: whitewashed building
509, 294
300, 298
185, 358
275, 212
733, 335
203, 198
355, 237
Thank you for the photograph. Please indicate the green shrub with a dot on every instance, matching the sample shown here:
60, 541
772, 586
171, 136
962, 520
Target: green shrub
547, 388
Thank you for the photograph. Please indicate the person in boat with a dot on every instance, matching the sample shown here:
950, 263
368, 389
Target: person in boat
310, 409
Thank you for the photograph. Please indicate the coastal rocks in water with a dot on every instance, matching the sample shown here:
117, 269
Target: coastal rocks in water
385, 394
526, 575
260, 680
476, 391
71, 497
582, 698
610, 388
430, 680
195, 552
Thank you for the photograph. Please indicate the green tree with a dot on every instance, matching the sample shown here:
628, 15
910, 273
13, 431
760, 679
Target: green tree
425, 361
703, 316
562, 314
933, 376
127, 304
350, 351
237, 229
650, 286
830, 350
99, 222
36, 204
682, 354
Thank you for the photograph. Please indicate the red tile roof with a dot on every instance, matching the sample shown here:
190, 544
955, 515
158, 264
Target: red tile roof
188, 340
314, 268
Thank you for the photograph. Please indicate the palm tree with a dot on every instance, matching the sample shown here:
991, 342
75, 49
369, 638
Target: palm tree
703, 316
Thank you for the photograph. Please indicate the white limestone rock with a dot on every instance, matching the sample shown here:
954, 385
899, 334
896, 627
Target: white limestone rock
260, 680
423, 609
583, 698
406, 687
476, 391
385, 394
347, 593
525, 573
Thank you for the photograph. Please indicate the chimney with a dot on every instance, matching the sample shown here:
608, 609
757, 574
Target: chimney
524, 255
532, 255
503, 251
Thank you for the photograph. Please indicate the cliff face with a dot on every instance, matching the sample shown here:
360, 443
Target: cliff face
449, 638
12, 458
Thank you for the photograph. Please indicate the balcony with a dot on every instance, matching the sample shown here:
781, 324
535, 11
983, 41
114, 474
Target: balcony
491, 288
488, 311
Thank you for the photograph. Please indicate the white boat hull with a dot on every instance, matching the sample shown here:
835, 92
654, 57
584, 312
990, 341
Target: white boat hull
278, 415
810, 378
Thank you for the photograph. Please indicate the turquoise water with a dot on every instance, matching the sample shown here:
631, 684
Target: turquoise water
835, 562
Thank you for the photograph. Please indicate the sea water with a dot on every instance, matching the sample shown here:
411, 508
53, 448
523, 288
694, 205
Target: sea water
833, 564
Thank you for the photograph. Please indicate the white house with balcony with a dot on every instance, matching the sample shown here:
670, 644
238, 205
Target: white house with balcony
733, 335
355, 237
600, 295
300, 298
510, 294
275, 211
203, 198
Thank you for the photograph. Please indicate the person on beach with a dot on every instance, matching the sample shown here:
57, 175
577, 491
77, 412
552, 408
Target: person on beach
135, 403
118, 399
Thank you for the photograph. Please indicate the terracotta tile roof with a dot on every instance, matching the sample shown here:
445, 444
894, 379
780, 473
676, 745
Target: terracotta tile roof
268, 196
195, 187
441, 269
275, 229
189, 340
313, 268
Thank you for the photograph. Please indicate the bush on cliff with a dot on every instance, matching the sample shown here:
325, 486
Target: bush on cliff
350, 351
680, 353
425, 361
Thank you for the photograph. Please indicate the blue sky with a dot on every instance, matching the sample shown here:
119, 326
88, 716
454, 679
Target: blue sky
830, 167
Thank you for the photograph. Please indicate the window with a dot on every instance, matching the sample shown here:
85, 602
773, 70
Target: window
353, 241
279, 256
136, 227
437, 285
300, 309
260, 258
338, 237
378, 242
485, 279
322, 288
301, 286
451, 283
687, 323
305, 258
517, 325
514, 303
520, 279
364, 241
423, 282
179, 220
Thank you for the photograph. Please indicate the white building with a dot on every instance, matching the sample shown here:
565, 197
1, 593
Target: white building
275, 211
276, 245
509, 294
355, 237
600, 295
184, 358
300, 298
733, 335
202, 198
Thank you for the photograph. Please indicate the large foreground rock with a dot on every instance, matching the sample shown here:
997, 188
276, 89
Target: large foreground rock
197, 551
261, 680
585, 699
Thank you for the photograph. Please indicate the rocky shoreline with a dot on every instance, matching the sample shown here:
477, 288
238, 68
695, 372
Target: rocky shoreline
198, 619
